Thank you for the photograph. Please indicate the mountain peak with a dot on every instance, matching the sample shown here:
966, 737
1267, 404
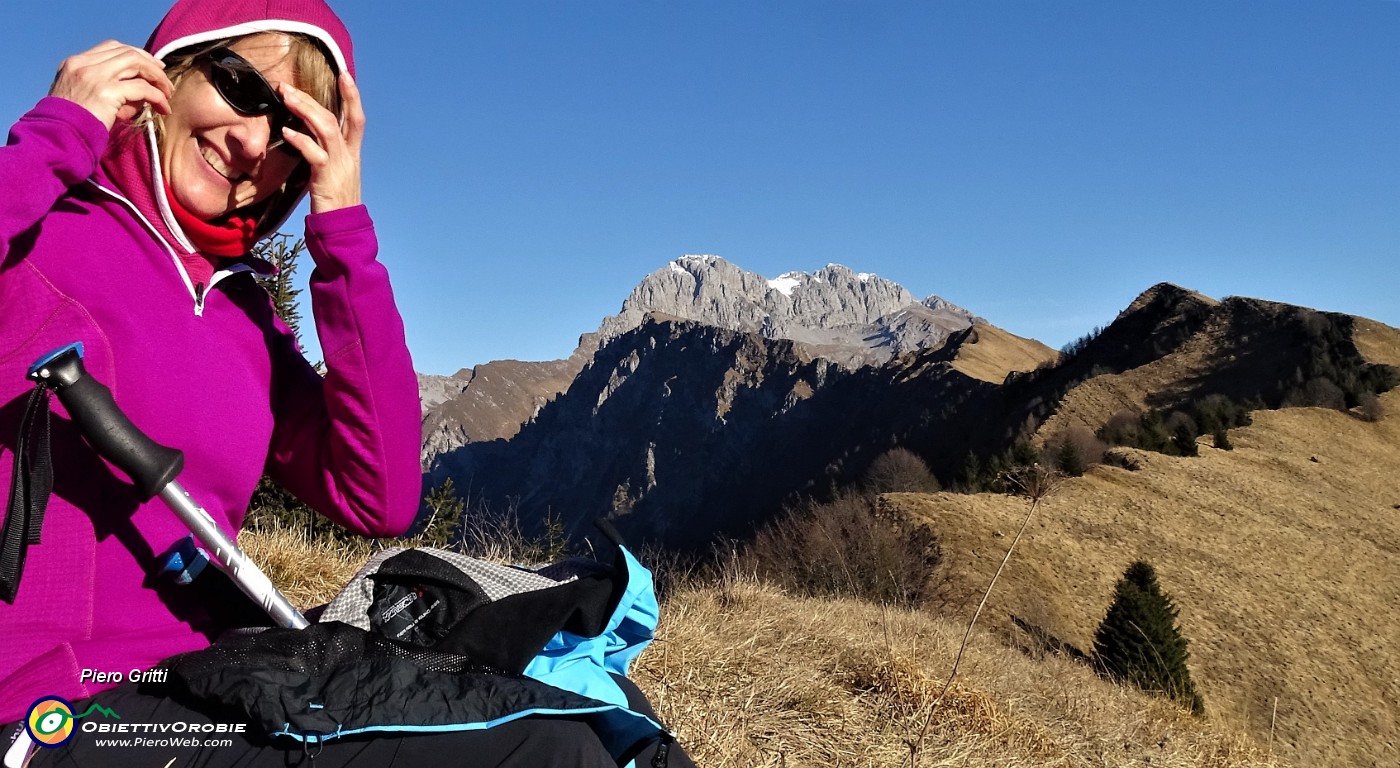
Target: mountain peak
1166, 294
851, 317
693, 263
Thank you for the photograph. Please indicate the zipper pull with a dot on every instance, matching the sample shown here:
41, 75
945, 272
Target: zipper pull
198, 296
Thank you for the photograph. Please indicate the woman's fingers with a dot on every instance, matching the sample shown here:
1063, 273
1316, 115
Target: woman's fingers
134, 62
136, 92
121, 62
112, 80
354, 110
332, 151
313, 153
322, 122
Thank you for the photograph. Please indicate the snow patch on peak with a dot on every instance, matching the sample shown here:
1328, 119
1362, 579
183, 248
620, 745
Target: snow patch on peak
702, 258
865, 277
785, 283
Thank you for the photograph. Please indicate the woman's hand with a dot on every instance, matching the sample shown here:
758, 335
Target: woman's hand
333, 151
112, 81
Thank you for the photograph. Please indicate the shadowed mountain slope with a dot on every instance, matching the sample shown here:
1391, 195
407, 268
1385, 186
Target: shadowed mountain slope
850, 318
682, 432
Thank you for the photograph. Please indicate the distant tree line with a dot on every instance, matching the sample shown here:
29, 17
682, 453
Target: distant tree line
1333, 374
1072, 349
1174, 431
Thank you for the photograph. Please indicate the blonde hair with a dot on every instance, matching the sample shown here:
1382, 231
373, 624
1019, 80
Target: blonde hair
312, 72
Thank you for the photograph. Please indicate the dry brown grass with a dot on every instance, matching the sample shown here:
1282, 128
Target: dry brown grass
308, 572
1283, 555
751, 677
995, 353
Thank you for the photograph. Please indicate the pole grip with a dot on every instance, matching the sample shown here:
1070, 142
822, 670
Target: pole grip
153, 468
150, 465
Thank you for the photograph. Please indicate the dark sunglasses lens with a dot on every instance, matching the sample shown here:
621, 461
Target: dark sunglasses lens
248, 93
242, 87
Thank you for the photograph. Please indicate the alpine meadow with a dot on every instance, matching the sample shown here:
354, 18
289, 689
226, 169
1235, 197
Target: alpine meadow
832, 477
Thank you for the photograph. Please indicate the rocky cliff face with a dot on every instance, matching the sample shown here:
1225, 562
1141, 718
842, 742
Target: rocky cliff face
489, 402
849, 318
680, 432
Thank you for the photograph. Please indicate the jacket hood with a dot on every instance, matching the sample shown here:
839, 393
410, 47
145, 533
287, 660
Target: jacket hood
191, 22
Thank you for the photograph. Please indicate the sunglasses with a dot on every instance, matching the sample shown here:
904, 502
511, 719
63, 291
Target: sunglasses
248, 92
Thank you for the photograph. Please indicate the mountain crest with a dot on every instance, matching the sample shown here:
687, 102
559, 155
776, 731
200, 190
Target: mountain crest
854, 318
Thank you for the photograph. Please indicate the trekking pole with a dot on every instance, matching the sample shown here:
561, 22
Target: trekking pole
153, 468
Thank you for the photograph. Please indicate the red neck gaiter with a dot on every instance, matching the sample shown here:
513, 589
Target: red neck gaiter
235, 237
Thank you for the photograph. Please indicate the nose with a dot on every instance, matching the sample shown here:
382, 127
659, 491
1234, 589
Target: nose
252, 137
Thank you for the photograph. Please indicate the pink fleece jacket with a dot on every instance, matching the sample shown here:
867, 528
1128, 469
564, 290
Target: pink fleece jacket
217, 376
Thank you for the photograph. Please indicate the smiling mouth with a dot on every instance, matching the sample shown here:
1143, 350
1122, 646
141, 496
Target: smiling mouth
212, 158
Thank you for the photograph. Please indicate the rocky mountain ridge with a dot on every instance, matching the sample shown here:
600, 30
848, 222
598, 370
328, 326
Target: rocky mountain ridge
849, 318
681, 432
852, 318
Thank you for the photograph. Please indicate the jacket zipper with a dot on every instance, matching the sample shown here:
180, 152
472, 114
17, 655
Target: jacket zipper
199, 301
201, 291
662, 758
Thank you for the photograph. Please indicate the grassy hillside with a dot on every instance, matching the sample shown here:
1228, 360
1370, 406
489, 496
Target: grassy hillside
1283, 556
750, 677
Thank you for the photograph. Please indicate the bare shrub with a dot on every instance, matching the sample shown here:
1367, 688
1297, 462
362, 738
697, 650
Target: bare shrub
497, 535
1319, 393
1324, 393
852, 546
1370, 408
1122, 428
900, 470
1180, 420
1074, 449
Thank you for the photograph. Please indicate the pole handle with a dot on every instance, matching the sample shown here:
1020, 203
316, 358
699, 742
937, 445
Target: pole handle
150, 465
153, 468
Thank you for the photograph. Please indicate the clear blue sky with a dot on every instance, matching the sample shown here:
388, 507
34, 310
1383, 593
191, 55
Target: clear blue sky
1038, 162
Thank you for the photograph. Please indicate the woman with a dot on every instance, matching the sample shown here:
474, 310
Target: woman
132, 196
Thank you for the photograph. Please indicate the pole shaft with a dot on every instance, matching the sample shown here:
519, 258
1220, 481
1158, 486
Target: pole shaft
244, 572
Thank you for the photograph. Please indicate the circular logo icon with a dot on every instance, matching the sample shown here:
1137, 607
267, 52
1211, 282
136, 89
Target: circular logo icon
50, 721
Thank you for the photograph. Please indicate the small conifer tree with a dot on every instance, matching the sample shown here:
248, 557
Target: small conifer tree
1184, 440
271, 504
1140, 642
1222, 439
971, 480
1067, 458
445, 510
284, 257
